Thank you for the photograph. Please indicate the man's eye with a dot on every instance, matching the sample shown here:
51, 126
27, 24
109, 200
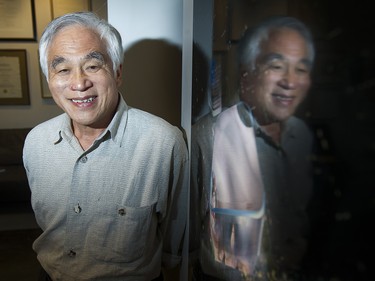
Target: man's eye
302, 70
93, 67
275, 66
63, 70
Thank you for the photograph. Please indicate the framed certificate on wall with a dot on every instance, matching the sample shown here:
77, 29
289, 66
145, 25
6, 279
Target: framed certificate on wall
17, 20
14, 86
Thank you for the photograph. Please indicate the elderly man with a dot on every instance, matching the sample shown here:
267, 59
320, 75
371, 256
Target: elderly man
253, 173
108, 182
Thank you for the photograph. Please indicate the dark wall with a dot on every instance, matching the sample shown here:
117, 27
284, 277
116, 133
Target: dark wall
340, 110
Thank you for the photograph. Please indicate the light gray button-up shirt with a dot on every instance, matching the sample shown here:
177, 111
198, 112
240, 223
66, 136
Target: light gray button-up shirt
116, 210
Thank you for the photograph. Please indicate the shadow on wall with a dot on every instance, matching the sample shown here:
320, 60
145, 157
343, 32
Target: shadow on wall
152, 78
200, 84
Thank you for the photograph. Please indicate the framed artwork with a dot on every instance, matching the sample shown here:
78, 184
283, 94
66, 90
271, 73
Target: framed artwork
46, 94
14, 86
61, 7
17, 20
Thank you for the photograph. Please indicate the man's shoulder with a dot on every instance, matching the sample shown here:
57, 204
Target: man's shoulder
300, 131
297, 124
46, 128
147, 119
147, 123
204, 124
228, 118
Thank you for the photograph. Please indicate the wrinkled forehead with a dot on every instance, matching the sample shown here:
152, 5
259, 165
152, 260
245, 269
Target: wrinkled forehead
284, 38
285, 43
76, 40
75, 31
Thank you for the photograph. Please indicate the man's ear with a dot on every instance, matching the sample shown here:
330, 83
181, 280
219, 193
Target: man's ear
244, 82
119, 75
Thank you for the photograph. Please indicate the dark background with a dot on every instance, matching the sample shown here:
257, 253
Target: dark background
340, 111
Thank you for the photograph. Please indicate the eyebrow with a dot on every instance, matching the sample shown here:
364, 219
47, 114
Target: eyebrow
56, 61
275, 56
95, 55
92, 55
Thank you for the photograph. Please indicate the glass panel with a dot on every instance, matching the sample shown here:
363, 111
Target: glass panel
282, 148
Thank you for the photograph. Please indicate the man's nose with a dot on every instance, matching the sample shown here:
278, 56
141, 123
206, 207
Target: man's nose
288, 80
80, 81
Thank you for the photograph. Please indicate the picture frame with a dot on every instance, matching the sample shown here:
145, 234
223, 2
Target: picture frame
14, 86
46, 93
61, 7
17, 20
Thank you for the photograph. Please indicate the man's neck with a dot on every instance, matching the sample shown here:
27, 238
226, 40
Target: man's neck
271, 129
86, 135
274, 131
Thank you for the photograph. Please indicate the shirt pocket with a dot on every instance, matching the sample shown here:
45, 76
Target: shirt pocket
122, 234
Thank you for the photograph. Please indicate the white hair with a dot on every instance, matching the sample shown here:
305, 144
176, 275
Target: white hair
106, 32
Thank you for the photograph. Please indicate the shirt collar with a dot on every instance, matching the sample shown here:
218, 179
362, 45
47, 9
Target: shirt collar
118, 123
115, 129
247, 117
64, 131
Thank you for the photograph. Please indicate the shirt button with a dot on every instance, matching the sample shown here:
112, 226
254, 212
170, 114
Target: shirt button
121, 212
72, 254
84, 159
77, 209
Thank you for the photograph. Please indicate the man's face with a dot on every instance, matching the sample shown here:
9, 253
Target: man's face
281, 79
81, 77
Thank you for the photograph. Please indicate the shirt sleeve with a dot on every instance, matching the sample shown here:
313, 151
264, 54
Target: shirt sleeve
175, 224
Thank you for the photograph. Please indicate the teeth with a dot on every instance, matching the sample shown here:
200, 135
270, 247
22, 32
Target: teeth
283, 97
83, 101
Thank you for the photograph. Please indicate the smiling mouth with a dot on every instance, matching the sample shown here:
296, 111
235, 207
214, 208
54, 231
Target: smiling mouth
283, 99
82, 101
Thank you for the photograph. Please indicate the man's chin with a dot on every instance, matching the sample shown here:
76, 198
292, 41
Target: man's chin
281, 116
267, 119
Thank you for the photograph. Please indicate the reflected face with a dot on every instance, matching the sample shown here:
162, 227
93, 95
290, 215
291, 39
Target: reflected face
81, 77
281, 79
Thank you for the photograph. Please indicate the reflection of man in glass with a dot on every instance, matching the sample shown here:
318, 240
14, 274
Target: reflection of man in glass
260, 162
